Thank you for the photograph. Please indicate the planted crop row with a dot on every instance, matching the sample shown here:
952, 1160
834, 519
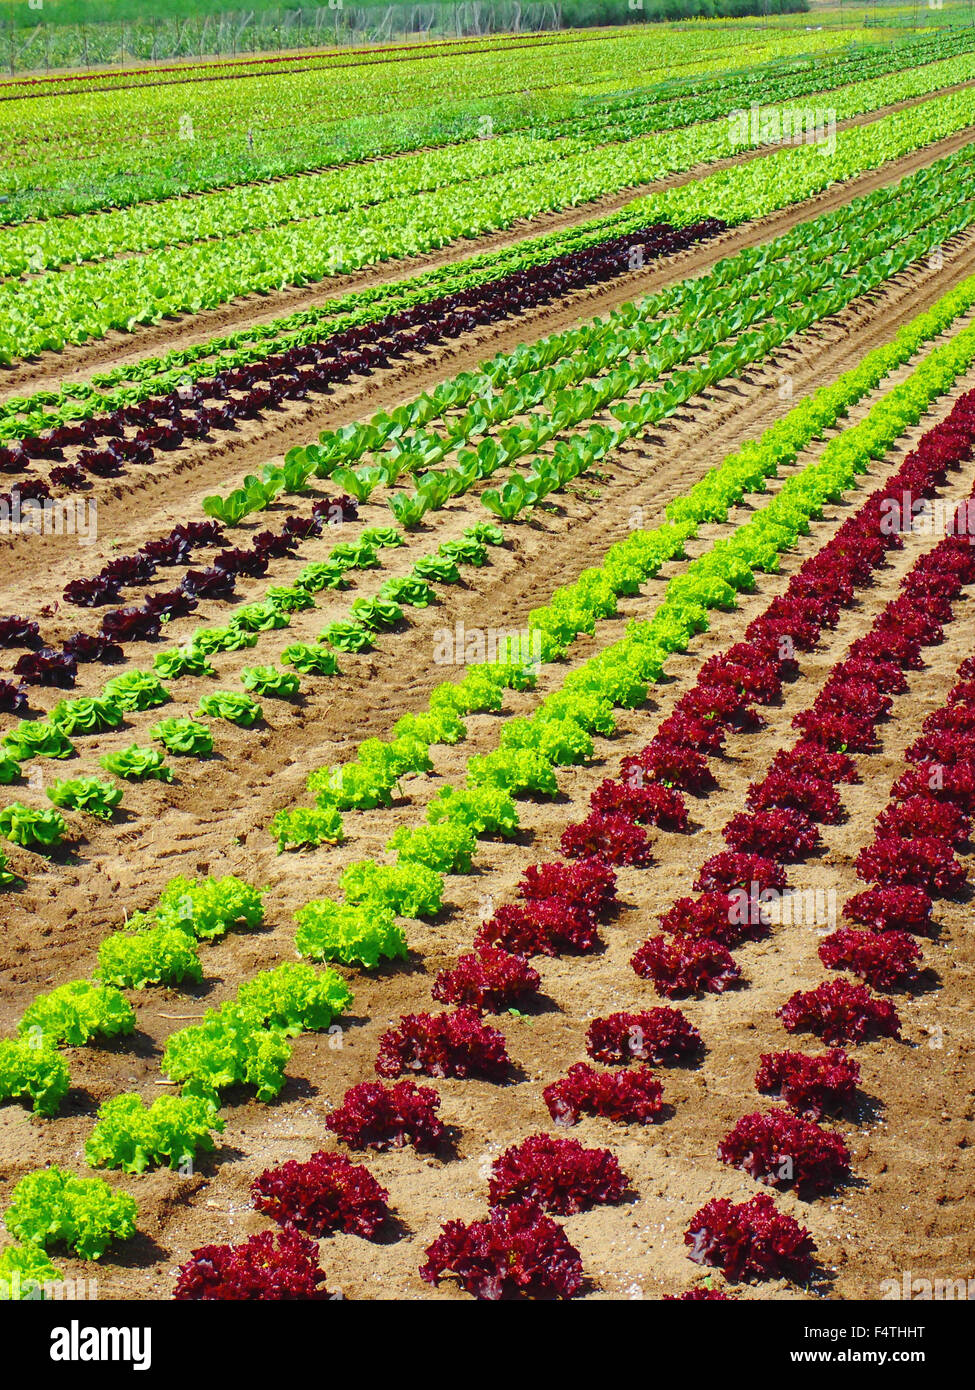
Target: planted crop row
52, 737
54, 309
527, 747
119, 148
256, 1053
111, 390
182, 413
57, 242
518, 1247
525, 385
914, 852
47, 667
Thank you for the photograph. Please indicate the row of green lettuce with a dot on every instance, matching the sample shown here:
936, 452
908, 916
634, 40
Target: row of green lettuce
245, 1040
52, 310
115, 150
33, 247
372, 779
127, 384
571, 457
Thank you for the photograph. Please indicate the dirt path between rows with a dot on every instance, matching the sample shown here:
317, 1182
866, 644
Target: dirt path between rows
50, 370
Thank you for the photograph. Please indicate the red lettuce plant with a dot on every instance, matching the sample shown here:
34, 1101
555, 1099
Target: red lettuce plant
172, 604
213, 582
518, 1249
245, 562
687, 731
942, 746
719, 704
812, 797
761, 653
87, 646
71, 475
373, 1116
88, 593
893, 646
682, 768
728, 918
924, 861
19, 632
884, 960
797, 631
839, 1012
589, 884
612, 838
935, 589
905, 615
753, 873
650, 805
885, 676
631, 1097
751, 673
904, 908
279, 1267
954, 783
955, 719
489, 980
808, 759
653, 1035
780, 1149
325, 1194
787, 608
785, 834
826, 590
853, 696
47, 667
130, 569
13, 697
680, 965
930, 597
810, 1085
963, 693
750, 1240
542, 927
561, 1175
455, 1044
839, 732
764, 650
130, 625
924, 816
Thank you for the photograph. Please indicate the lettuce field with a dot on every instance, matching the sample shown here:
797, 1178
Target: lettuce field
487, 669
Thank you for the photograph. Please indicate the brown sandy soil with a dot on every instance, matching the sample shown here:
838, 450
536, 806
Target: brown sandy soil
908, 1207
49, 370
911, 1123
165, 830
